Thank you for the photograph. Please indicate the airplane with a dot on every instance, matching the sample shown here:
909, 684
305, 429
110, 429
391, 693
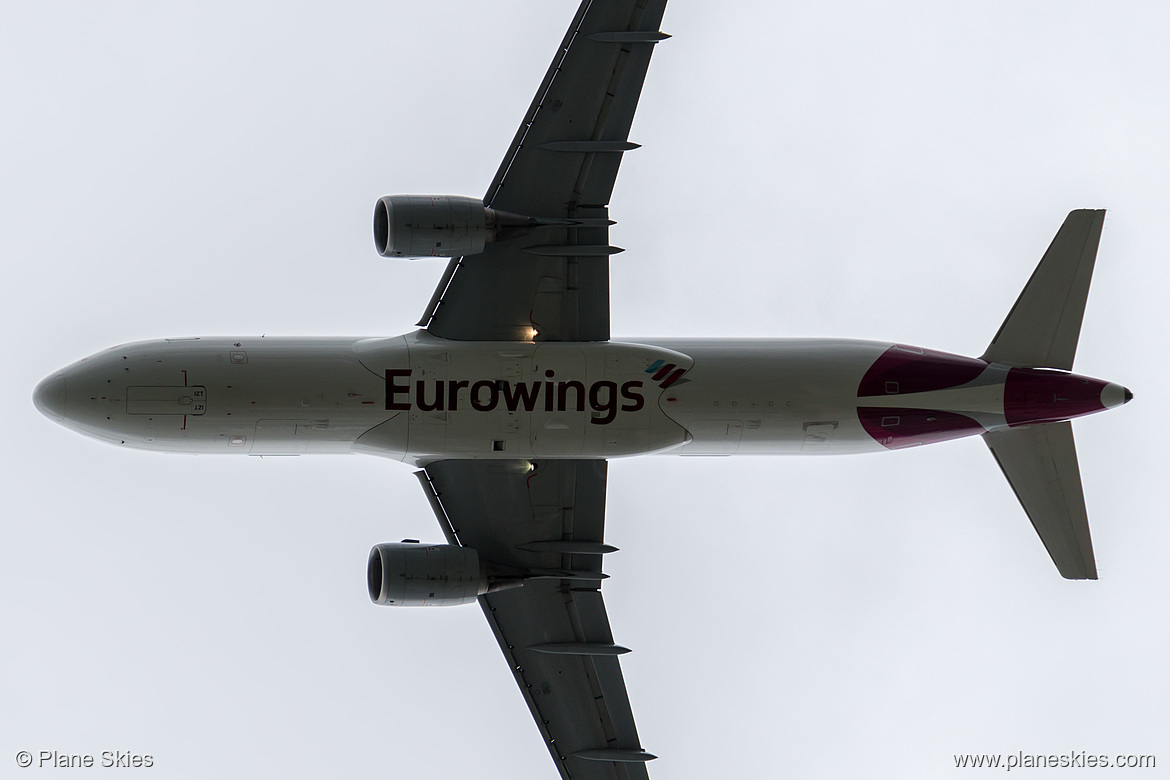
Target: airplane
511, 397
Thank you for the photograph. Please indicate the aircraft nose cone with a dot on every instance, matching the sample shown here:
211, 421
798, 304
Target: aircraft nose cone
1114, 394
49, 397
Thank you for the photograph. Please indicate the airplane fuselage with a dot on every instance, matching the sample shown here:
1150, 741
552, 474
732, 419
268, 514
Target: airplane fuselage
419, 398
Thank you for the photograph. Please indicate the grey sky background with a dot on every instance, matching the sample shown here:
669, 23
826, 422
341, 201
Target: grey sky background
844, 170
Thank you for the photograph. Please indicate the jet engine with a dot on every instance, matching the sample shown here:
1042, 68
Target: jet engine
408, 574
450, 225
431, 226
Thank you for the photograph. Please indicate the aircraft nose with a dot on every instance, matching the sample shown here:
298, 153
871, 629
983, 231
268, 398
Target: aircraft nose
1115, 395
49, 397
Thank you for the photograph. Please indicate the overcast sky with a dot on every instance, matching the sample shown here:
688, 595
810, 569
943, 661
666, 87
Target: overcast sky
825, 169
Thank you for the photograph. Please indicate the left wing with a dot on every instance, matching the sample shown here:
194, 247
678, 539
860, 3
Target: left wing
548, 518
551, 282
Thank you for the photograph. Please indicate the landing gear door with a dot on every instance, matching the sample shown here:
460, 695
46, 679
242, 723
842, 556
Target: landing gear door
562, 410
429, 412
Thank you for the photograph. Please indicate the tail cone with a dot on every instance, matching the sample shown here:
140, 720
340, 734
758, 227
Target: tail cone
1115, 395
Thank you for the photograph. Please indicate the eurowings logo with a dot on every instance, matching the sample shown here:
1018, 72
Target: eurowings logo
486, 395
604, 399
668, 373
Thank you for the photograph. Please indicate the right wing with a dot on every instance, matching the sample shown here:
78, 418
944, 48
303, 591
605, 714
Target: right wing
560, 168
553, 631
1040, 463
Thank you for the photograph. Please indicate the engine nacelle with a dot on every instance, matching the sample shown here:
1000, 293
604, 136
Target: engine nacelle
430, 226
405, 574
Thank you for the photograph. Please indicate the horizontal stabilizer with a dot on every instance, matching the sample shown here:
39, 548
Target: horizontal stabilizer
1044, 325
1040, 463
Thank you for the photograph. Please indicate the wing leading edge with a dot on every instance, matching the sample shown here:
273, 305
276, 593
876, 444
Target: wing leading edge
551, 283
554, 632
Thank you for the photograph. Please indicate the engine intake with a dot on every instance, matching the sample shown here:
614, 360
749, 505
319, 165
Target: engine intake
404, 574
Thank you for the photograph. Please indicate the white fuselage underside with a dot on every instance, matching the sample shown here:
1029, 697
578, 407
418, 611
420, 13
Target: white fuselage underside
418, 398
